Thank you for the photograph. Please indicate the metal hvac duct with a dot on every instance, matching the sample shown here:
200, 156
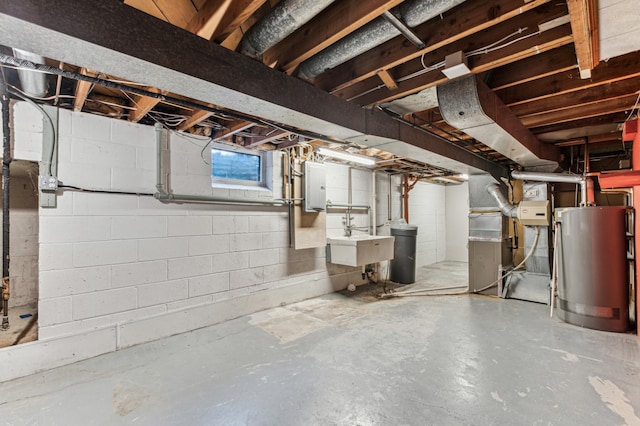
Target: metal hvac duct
471, 106
505, 206
33, 83
284, 19
412, 13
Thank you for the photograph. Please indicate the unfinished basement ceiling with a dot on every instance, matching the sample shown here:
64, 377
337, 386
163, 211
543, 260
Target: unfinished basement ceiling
532, 54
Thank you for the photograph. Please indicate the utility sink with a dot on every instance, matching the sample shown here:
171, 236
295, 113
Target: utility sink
360, 250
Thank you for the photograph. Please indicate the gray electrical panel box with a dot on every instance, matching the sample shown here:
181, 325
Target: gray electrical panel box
315, 193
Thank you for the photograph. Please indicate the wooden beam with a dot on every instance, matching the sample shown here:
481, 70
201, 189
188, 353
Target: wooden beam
584, 24
595, 139
239, 12
278, 134
555, 61
233, 128
331, 25
147, 6
467, 44
387, 79
196, 118
143, 105
612, 71
616, 117
471, 17
177, 12
574, 113
208, 19
589, 94
82, 89
526, 48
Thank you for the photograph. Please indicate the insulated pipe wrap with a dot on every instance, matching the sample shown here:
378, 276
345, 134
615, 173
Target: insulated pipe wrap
378, 31
284, 19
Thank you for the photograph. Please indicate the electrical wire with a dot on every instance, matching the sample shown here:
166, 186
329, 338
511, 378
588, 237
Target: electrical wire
632, 109
492, 47
104, 191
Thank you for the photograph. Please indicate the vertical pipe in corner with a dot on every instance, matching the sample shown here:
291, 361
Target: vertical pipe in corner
6, 179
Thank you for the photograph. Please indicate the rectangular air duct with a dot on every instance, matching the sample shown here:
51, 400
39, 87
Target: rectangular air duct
471, 106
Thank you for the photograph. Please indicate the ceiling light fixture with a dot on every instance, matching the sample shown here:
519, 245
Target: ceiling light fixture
455, 65
355, 158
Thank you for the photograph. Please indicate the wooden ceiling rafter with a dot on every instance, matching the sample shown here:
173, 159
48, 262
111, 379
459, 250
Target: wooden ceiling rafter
533, 45
233, 128
616, 70
144, 104
208, 19
271, 136
471, 17
583, 111
82, 89
194, 119
555, 61
587, 95
584, 24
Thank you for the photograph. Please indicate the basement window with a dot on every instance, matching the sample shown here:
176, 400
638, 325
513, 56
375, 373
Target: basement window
236, 167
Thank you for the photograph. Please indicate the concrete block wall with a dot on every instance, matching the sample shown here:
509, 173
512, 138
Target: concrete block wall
110, 259
457, 222
427, 211
116, 270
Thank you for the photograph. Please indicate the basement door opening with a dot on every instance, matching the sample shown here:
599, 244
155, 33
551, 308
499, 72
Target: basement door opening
23, 269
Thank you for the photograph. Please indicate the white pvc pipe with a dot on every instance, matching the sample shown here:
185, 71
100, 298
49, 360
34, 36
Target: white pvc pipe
374, 197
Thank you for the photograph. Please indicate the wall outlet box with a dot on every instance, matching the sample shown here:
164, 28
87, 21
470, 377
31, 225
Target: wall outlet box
48, 183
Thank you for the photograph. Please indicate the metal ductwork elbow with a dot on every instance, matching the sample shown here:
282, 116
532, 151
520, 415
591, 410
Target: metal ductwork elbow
380, 30
471, 106
283, 20
505, 206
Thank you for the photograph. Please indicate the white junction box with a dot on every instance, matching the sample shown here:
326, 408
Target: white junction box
315, 182
361, 249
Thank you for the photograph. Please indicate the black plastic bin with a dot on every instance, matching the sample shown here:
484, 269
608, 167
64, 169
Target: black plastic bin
403, 265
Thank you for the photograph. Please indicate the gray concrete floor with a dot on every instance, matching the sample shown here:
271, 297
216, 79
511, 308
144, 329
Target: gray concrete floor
352, 359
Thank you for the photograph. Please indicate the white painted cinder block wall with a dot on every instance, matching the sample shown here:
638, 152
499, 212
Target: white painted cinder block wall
427, 211
457, 222
117, 270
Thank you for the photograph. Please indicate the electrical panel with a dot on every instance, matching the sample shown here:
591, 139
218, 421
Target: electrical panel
533, 213
315, 193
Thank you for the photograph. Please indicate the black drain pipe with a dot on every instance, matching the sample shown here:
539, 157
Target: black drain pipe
6, 178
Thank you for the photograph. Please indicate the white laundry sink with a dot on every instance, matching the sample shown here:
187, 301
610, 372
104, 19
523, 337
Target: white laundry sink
359, 250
